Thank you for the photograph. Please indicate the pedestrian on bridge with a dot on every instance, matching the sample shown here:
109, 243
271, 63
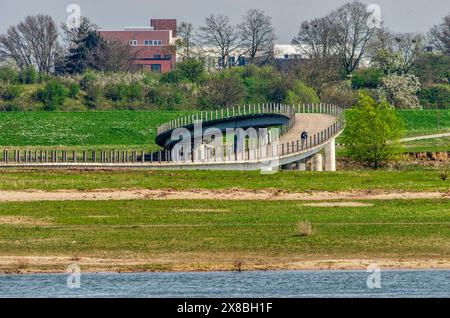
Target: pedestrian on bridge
304, 138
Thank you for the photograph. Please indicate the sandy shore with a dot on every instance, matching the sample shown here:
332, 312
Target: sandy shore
59, 264
226, 194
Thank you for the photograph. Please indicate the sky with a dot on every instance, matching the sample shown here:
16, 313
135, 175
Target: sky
287, 15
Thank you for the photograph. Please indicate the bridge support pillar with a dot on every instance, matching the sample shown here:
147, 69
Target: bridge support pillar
330, 156
301, 165
317, 162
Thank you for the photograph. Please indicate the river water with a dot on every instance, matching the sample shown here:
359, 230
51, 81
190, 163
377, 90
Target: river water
393, 283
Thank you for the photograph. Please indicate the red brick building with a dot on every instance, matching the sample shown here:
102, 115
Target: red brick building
154, 45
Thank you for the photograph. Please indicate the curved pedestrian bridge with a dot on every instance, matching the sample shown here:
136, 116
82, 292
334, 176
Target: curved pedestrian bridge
253, 137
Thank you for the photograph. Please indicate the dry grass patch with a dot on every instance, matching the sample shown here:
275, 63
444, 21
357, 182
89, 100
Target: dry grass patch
304, 228
23, 220
339, 204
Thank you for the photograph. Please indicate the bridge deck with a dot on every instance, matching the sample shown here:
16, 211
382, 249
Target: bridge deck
311, 123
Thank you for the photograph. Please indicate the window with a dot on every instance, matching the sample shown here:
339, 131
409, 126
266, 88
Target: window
155, 68
157, 56
132, 42
152, 42
242, 61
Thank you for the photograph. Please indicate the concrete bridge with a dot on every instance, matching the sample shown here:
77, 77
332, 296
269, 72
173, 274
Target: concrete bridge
322, 122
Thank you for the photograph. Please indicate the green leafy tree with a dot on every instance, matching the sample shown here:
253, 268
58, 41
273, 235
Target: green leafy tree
373, 132
301, 93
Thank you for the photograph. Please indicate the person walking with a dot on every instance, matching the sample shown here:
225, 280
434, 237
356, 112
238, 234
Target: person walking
304, 138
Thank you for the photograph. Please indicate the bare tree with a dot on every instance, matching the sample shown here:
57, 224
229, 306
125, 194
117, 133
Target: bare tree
257, 34
33, 42
185, 41
113, 55
440, 36
409, 46
396, 52
219, 37
316, 38
353, 28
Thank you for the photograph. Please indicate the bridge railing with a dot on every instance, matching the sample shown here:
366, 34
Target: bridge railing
260, 150
230, 112
257, 109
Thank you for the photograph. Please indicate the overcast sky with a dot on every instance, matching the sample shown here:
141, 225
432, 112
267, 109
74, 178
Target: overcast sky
399, 15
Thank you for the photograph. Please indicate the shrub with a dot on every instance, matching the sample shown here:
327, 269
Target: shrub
342, 95
74, 90
123, 92
88, 78
11, 92
367, 78
93, 95
8, 75
165, 96
437, 96
220, 92
191, 70
301, 93
171, 77
304, 229
238, 263
28, 76
52, 95
116, 92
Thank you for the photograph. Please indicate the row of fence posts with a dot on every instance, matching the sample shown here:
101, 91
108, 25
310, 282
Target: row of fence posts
85, 156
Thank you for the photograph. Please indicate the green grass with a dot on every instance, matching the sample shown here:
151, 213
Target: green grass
132, 129
417, 180
428, 145
398, 229
425, 122
109, 129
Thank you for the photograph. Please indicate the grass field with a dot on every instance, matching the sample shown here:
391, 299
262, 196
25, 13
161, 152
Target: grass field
167, 235
425, 122
111, 129
431, 145
133, 129
414, 180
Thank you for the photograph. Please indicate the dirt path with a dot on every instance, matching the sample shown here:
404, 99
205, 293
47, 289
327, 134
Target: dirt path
425, 137
228, 194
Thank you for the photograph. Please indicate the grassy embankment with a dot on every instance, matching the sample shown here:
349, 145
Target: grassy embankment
206, 235
405, 180
135, 129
